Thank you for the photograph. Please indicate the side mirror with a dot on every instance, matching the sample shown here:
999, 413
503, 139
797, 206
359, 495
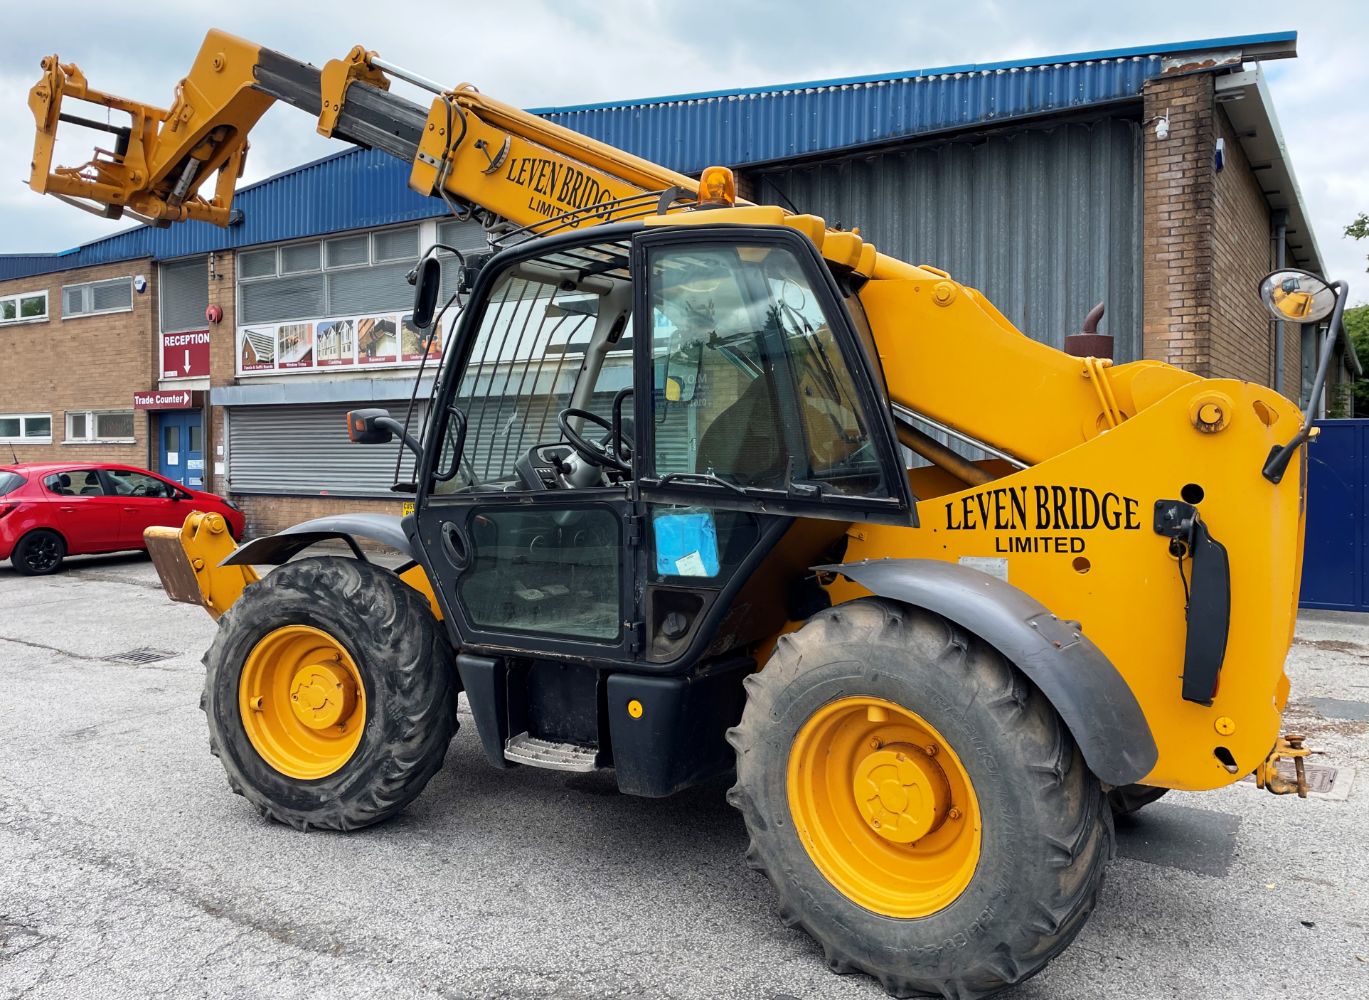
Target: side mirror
427, 285
367, 427
1295, 296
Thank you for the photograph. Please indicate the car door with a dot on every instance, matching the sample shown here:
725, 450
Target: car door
144, 501
86, 515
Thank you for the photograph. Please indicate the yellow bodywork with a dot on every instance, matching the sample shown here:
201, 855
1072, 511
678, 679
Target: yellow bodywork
1074, 529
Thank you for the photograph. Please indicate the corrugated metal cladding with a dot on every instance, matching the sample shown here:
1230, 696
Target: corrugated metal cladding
304, 450
1046, 222
737, 130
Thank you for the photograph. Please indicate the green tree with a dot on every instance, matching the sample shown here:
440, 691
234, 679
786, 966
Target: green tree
1357, 329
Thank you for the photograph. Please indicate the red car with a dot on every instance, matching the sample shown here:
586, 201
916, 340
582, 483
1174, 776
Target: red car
51, 510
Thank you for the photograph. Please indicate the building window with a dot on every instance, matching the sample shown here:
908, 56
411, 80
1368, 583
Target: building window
96, 297
26, 307
342, 276
104, 426
183, 294
25, 428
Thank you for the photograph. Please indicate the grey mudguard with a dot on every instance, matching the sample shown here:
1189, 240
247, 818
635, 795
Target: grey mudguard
285, 545
1076, 677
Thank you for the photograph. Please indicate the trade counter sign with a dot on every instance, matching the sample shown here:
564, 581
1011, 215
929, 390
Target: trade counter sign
169, 399
185, 355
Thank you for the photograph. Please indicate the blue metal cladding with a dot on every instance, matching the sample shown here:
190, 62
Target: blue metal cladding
1335, 564
759, 127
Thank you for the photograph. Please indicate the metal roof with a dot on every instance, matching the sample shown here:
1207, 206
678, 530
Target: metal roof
357, 189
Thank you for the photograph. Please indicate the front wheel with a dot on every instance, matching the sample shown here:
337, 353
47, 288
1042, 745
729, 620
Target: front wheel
330, 693
919, 806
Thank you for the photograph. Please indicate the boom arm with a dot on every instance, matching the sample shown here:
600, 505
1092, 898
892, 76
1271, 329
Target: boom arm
477, 153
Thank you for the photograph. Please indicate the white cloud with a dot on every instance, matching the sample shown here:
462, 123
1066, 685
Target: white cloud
539, 53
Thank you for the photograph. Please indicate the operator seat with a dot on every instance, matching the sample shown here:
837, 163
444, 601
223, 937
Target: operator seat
744, 444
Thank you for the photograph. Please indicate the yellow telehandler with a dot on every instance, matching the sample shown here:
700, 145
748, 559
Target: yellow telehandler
667, 520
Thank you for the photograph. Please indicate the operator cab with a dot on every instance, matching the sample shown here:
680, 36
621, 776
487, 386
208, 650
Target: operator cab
639, 411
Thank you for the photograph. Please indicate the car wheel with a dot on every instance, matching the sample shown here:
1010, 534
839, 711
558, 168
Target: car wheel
39, 553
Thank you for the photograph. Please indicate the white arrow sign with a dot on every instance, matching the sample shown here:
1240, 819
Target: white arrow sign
187, 361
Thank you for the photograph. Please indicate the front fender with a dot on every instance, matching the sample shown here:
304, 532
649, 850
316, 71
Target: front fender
272, 550
1080, 682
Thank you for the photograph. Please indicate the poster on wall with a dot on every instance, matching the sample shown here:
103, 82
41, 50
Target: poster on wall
336, 343
413, 340
378, 340
257, 352
295, 346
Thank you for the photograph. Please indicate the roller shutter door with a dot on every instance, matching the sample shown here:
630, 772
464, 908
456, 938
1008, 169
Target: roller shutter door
304, 450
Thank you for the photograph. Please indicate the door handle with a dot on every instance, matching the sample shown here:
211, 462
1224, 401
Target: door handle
67, 510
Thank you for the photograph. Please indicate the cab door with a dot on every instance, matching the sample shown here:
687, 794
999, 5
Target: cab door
761, 396
523, 558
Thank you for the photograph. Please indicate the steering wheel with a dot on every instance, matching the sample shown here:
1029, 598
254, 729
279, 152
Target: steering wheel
602, 454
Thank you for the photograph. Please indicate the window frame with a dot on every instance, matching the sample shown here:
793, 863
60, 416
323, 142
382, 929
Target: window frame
23, 419
18, 299
92, 423
97, 312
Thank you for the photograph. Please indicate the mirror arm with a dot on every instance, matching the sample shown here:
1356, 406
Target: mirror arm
398, 429
1277, 462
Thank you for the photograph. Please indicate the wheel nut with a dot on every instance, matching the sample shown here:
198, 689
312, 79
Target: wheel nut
874, 743
874, 823
932, 748
953, 813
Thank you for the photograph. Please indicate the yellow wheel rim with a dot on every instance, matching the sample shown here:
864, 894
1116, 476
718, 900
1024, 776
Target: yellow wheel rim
302, 701
884, 807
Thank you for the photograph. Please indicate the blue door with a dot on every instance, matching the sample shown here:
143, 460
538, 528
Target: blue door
180, 436
1335, 565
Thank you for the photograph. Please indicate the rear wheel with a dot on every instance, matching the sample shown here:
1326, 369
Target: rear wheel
919, 806
330, 693
39, 553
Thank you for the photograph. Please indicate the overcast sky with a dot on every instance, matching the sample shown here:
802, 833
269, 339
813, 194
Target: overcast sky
536, 54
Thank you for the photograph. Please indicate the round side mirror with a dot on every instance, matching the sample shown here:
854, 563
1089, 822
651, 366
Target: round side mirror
1297, 296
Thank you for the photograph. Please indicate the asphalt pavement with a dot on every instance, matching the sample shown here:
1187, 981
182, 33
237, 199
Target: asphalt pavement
128, 869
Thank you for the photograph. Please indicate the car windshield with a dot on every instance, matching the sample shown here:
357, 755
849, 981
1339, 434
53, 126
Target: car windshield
9, 482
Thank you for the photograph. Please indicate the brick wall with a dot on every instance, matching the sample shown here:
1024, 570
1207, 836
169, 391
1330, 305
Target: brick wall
268, 514
1205, 244
1241, 338
222, 360
80, 363
1177, 211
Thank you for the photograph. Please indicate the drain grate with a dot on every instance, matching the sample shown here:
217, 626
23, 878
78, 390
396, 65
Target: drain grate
1321, 778
143, 654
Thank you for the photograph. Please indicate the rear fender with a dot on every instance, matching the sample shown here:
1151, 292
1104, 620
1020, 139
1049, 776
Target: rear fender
272, 550
1080, 682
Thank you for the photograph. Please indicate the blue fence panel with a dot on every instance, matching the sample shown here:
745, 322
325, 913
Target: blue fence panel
1335, 565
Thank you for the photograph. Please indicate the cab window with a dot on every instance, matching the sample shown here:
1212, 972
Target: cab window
741, 346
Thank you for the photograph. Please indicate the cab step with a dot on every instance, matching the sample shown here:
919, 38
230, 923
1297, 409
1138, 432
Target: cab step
537, 752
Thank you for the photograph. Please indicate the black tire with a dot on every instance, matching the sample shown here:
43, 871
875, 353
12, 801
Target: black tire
1047, 832
39, 553
1128, 799
406, 665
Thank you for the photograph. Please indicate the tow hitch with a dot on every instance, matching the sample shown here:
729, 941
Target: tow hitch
1267, 775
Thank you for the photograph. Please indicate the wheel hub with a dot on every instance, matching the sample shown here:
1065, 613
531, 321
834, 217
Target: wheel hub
322, 695
901, 792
